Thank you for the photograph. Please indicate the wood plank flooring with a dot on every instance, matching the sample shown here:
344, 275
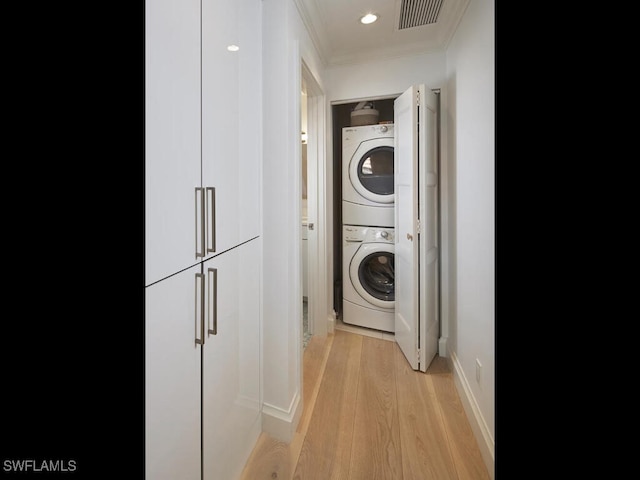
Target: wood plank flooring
368, 416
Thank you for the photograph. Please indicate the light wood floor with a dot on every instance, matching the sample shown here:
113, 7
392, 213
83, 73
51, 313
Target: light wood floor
368, 416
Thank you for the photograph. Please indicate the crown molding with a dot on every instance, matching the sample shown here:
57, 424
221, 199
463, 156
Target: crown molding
317, 38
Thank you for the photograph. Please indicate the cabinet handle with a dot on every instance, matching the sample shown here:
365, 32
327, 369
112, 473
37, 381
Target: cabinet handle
213, 300
200, 310
212, 217
200, 219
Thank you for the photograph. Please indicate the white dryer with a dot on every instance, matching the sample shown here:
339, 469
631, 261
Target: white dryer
368, 278
367, 175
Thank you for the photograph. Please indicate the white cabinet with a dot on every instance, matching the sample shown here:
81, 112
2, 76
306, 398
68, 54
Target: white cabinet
202, 226
202, 129
202, 368
172, 135
231, 361
172, 379
231, 116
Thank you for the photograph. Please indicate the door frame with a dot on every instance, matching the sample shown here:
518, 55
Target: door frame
316, 203
446, 287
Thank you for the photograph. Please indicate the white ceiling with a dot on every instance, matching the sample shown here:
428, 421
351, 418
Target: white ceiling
339, 37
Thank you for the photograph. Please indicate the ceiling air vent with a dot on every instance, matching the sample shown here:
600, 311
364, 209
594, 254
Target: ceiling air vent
414, 13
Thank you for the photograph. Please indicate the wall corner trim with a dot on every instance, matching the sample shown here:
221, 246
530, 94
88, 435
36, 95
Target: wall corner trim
331, 322
279, 423
442, 347
476, 419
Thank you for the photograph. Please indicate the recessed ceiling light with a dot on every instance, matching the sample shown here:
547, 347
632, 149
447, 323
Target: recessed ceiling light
233, 48
369, 18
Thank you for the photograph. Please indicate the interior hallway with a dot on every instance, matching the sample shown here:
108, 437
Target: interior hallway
368, 416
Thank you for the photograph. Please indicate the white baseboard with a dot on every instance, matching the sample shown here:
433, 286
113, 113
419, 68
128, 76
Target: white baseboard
364, 331
331, 322
442, 347
477, 421
279, 423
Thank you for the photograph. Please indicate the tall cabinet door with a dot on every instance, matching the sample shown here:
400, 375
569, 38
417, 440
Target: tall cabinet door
173, 316
172, 135
231, 118
231, 419
416, 226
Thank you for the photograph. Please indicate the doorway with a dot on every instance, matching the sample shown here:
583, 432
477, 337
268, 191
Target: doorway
341, 117
312, 212
307, 330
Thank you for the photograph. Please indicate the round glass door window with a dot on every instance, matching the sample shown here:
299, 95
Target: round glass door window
377, 276
375, 170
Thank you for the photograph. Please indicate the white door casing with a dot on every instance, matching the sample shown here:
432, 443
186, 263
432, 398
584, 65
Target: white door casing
429, 234
318, 237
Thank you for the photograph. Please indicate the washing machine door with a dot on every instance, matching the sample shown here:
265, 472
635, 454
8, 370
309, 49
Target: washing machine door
372, 274
371, 170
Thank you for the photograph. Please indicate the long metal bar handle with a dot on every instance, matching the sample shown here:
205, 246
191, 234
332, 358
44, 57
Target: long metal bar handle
200, 222
200, 311
213, 301
212, 217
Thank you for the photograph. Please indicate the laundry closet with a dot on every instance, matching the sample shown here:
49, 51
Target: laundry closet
386, 231
347, 115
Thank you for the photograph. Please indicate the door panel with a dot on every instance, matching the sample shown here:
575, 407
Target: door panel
231, 363
172, 135
250, 118
416, 177
406, 216
429, 235
220, 127
231, 117
172, 378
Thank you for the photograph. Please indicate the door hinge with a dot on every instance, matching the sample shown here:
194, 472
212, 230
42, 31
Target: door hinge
418, 226
418, 352
418, 97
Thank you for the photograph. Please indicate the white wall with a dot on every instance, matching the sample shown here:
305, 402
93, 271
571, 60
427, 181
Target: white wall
470, 62
386, 77
284, 41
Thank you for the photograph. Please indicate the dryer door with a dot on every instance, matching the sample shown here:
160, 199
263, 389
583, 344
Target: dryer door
372, 274
371, 170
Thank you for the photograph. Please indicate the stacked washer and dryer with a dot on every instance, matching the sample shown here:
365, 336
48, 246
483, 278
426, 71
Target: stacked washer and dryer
368, 278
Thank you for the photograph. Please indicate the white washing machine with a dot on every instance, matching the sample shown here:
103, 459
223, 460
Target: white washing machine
367, 175
368, 278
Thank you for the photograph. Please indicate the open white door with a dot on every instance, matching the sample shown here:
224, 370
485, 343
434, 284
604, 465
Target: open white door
416, 224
